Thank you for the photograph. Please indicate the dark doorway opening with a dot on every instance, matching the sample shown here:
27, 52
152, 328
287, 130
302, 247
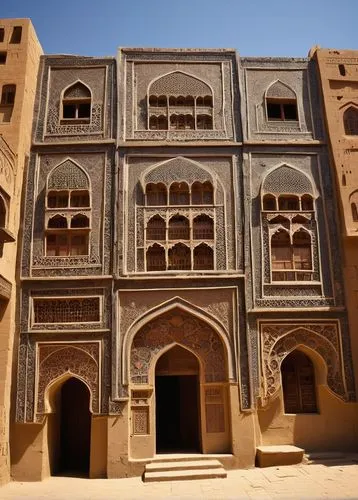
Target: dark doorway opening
177, 413
75, 429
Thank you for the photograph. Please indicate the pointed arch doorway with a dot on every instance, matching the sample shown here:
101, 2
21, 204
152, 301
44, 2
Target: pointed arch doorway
69, 429
177, 398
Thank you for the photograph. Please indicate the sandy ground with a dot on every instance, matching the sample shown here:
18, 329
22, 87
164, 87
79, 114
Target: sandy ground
300, 481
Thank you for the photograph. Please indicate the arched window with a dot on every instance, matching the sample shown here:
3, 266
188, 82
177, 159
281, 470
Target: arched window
156, 229
156, 258
179, 257
354, 212
7, 102
179, 228
67, 188
204, 122
2, 213
79, 199
281, 103
79, 221
307, 202
269, 202
281, 255
288, 202
156, 194
203, 257
58, 222
185, 91
202, 193
298, 383
291, 262
203, 228
350, 119
76, 104
354, 205
179, 194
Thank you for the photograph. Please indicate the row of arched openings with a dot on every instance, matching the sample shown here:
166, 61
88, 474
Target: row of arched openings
179, 228
180, 112
290, 203
179, 258
67, 234
179, 193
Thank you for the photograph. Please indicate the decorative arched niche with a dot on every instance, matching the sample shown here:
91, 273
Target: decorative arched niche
179, 101
177, 327
59, 362
319, 340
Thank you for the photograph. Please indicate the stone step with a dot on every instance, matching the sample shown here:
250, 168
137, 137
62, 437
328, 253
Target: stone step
189, 457
182, 465
330, 458
184, 475
269, 456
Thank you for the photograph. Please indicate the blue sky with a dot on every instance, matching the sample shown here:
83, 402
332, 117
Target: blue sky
254, 28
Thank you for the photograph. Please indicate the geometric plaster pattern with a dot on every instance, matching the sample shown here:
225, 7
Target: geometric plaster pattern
176, 170
279, 340
179, 83
286, 180
185, 330
68, 176
80, 360
279, 89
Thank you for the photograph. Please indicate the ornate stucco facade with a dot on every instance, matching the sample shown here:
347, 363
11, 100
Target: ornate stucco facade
19, 60
181, 274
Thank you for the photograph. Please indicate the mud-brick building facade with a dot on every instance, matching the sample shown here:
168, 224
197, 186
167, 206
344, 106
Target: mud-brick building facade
19, 60
338, 71
181, 265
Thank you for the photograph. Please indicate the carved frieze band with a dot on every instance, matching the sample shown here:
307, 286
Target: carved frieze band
278, 340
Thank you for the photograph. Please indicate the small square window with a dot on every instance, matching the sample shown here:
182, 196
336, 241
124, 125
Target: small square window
3, 56
16, 35
273, 111
2, 34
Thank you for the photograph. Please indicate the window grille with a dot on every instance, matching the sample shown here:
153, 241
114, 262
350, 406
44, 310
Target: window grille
81, 310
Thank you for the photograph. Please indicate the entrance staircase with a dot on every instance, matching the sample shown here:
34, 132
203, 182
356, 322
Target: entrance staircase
184, 468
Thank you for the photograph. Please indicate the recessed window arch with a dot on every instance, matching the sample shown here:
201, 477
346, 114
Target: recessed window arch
156, 229
269, 202
76, 104
307, 203
179, 257
291, 260
80, 221
179, 194
288, 203
353, 199
179, 228
203, 257
202, 193
281, 103
176, 91
57, 222
156, 194
7, 102
67, 189
156, 258
350, 120
203, 228
298, 383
